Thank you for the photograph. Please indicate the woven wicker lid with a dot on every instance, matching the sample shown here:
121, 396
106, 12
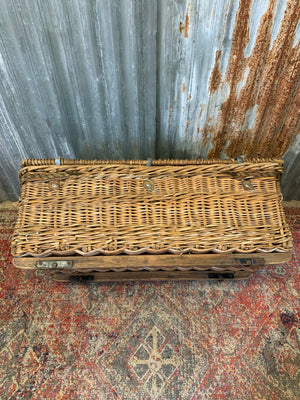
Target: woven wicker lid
131, 207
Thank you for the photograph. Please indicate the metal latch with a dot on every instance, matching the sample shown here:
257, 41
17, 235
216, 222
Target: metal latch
56, 264
249, 261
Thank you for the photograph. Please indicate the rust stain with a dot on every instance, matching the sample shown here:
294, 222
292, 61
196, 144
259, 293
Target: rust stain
207, 133
171, 112
291, 125
201, 109
189, 97
215, 76
188, 122
272, 85
233, 76
184, 27
183, 87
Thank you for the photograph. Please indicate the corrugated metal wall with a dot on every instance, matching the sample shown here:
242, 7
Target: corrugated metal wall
147, 78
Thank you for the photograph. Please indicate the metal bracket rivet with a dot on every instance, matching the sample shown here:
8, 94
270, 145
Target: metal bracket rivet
248, 184
148, 185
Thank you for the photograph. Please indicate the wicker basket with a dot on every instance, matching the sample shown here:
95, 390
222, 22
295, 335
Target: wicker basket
75, 209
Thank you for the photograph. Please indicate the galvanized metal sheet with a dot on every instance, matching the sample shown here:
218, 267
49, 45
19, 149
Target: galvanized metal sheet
290, 183
128, 79
77, 79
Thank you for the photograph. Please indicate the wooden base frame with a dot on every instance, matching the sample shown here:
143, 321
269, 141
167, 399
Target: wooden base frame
152, 267
149, 276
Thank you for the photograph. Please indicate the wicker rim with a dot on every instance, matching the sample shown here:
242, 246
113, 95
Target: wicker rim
154, 162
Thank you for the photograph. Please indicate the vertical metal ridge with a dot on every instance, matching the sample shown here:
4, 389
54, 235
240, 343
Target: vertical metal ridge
158, 66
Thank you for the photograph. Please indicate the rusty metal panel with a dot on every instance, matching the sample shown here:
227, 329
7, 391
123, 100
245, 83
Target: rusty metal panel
229, 78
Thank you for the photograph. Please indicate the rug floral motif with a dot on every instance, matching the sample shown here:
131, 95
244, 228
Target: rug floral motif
149, 340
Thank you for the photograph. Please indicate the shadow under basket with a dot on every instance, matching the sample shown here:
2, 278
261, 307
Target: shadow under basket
150, 219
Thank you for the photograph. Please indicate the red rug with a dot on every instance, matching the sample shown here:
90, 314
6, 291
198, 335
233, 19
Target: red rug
154, 340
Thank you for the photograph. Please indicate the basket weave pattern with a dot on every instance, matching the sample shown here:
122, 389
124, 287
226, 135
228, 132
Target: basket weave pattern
126, 207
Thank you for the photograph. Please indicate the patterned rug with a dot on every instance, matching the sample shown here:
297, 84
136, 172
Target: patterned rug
149, 340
